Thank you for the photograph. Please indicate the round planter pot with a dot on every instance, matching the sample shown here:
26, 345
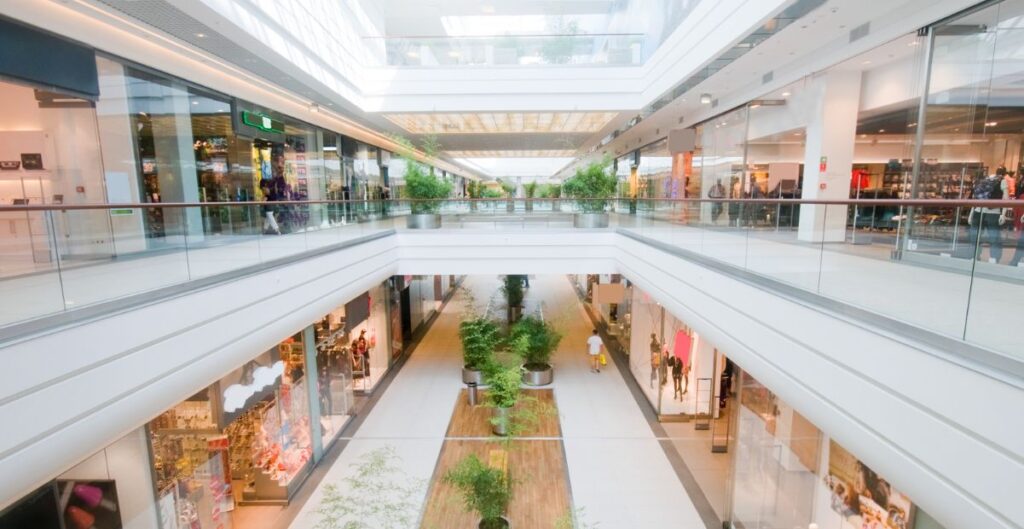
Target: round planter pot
505, 524
590, 220
501, 428
423, 221
541, 377
472, 375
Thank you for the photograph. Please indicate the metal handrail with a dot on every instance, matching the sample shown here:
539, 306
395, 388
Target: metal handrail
780, 201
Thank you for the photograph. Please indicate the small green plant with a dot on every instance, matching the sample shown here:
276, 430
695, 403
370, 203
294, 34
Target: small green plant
376, 494
555, 191
490, 192
425, 189
512, 287
530, 189
508, 187
592, 186
503, 387
485, 490
539, 340
574, 520
480, 336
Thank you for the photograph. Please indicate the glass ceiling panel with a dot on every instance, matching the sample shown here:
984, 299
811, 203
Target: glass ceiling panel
526, 33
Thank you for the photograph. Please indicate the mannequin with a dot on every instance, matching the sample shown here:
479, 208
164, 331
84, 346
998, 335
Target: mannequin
655, 358
988, 221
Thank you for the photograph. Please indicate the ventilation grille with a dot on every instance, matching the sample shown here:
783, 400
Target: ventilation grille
860, 31
767, 78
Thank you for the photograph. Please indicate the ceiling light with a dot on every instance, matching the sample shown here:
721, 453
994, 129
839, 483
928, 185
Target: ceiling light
786, 94
912, 43
866, 62
313, 107
454, 54
881, 131
412, 54
201, 35
195, 102
705, 99
991, 123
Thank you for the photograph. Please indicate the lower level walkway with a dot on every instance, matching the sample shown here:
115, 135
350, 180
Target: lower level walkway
618, 473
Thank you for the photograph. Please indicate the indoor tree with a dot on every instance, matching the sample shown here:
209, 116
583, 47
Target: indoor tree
592, 186
541, 340
480, 336
485, 490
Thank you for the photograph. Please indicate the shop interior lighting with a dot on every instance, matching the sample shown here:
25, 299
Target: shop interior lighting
991, 123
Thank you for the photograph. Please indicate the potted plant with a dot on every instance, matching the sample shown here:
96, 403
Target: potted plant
592, 187
479, 338
536, 340
485, 490
513, 290
530, 189
510, 194
555, 192
425, 190
502, 395
473, 189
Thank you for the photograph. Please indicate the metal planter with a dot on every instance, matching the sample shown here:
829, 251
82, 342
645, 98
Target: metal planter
590, 220
542, 377
472, 375
500, 427
423, 221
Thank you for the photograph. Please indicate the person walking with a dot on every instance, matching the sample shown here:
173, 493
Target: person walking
594, 347
716, 191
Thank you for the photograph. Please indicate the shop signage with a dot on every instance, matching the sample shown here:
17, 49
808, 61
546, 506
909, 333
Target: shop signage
236, 395
262, 122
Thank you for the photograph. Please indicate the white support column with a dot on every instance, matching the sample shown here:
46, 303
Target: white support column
831, 133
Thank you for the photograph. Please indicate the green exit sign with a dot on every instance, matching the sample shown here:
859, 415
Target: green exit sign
262, 122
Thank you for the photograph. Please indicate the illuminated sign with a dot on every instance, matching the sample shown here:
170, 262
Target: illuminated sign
262, 122
236, 394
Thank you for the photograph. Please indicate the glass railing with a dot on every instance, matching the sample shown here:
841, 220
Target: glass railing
954, 268
932, 264
604, 49
59, 258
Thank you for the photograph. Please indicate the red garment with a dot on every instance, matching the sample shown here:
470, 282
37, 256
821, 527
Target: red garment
859, 179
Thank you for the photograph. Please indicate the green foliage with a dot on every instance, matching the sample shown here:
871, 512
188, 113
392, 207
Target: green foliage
490, 192
430, 146
474, 188
508, 187
377, 495
513, 290
539, 341
530, 189
503, 386
555, 191
574, 520
595, 182
485, 490
423, 186
480, 337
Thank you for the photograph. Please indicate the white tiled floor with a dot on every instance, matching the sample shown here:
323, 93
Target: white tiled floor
618, 472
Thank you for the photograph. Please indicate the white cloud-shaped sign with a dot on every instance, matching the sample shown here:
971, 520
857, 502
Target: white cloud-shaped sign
236, 394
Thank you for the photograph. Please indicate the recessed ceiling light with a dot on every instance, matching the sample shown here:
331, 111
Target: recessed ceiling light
454, 54
195, 102
201, 35
705, 99
881, 131
786, 94
866, 62
412, 54
912, 43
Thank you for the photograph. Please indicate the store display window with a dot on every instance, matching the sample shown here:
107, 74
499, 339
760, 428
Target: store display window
245, 440
335, 384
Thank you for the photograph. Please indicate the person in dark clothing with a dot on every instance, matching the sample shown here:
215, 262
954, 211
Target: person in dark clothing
677, 377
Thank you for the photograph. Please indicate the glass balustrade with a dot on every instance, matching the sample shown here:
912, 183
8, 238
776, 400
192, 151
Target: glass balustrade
948, 267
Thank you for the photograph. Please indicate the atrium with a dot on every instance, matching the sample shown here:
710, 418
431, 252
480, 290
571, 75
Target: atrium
531, 264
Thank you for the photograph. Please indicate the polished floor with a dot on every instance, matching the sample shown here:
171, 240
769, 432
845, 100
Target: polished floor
619, 475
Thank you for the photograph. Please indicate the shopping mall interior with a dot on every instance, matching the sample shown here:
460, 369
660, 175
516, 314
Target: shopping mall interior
552, 264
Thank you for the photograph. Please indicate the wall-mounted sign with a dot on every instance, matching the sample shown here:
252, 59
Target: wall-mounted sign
262, 122
10, 165
32, 161
823, 166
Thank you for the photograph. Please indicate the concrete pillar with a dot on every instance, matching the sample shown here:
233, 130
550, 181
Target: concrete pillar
831, 131
312, 380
